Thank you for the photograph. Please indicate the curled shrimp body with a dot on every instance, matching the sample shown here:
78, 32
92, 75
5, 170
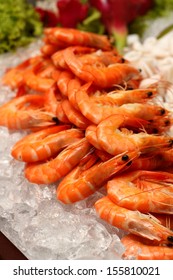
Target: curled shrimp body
135, 248
61, 114
53, 104
146, 191
63, 81
48, 49
37, 82
59, 59
113, 131
70, 36
91, 136
73, 86
148, 162
43, 68
133, 221
46, 143
121, 97
87, 56
79, 183
97, 109
102, 76
51, 171
75, 116
25, 112
14, 76
52, 98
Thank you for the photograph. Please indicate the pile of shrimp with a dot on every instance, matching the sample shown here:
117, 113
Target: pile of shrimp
91, 126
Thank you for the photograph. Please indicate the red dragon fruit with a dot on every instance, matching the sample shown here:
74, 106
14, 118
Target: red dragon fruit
117, 14
72, 12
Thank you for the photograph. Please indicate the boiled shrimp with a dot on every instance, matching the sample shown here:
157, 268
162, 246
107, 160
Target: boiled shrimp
146, 191
49, 39
149, 162
48, 72
61, 113
91, 136
100, 57
73, 86
53, 104
103, 155
96, 110
135, 248
71, 37
133, 221
156, 161
55, 74
59, 61
25, 112
63, 81
74, 116
48, 49
79, 183
101, 76
14, 76
120, 97
58, 58
37, 83
88, 56
114, 137
52, 98
51, 171
46, 143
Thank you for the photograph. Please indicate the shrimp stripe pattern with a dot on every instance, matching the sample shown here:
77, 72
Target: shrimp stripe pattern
132, 221
79, 184
45, 144
51, 171
146, 191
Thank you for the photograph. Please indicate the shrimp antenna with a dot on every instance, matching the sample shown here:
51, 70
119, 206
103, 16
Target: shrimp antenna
166, 185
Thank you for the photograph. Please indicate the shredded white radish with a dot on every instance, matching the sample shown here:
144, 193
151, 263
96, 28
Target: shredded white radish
153, 56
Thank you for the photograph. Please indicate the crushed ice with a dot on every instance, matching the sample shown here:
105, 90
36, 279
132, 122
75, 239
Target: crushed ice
43, 228
32, 218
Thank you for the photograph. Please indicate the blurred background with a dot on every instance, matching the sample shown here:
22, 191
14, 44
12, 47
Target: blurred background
23, 20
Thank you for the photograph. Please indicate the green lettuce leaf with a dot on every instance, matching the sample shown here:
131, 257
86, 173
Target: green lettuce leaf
19, 24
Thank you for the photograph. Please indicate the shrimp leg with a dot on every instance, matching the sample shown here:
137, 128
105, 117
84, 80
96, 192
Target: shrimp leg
25, 112
45, 144
135, 248
114, 137
98, 109
102, 76
133, 221
145, 191
79, 184
54, 169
